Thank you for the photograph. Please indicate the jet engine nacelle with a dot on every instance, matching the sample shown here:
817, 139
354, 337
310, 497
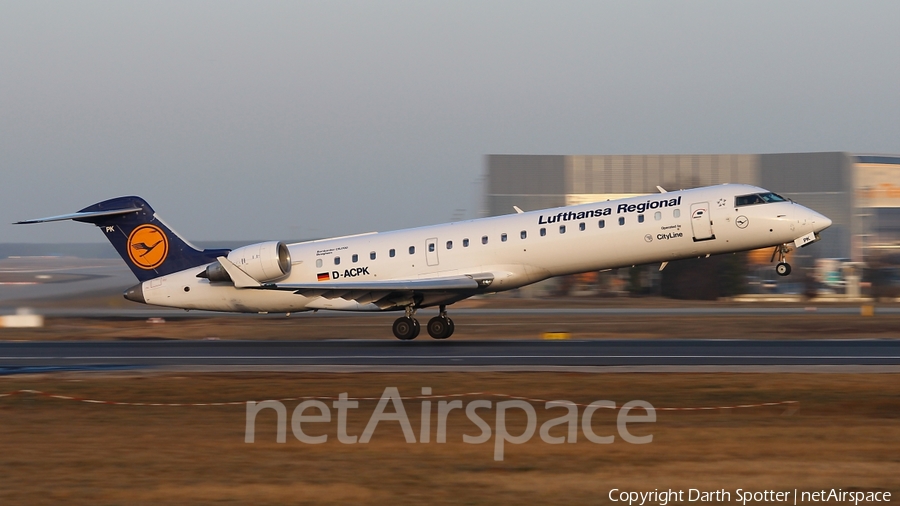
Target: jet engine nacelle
264, 262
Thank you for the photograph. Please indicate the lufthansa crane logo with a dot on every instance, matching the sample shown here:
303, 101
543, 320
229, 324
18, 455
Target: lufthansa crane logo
148, 247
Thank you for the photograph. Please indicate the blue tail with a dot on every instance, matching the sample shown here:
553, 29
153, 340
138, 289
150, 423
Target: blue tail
149, 247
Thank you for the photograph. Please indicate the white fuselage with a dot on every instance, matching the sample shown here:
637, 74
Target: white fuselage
518, 249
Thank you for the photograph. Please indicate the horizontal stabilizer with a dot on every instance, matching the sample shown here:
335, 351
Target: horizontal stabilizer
81, 216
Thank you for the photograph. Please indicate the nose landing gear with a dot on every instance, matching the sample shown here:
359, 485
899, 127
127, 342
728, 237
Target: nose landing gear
782, 268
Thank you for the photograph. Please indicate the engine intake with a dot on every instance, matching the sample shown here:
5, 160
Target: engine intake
264, 262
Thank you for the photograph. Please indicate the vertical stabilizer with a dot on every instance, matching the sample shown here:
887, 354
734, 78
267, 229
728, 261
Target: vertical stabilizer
149, 247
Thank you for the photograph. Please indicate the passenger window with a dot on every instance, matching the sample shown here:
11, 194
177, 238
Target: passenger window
676, 213
337, 260
543, 232
502, 237
602, 223
318, 262
657, 216
465, 243
621, 220
581, 227
354, 258
640, 218
392, 252
431, 247
412, 250
372, 256
523, 234
449, 244
484, 239
562, 229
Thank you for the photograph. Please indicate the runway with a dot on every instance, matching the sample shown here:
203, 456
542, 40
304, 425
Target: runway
150, 311
451, 354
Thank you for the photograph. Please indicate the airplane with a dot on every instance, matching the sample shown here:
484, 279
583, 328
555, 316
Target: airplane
438, 265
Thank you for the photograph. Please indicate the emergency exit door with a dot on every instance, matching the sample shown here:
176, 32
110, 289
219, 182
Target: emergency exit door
431, 251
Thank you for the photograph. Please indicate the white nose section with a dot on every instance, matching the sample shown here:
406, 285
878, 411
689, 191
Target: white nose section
819, 221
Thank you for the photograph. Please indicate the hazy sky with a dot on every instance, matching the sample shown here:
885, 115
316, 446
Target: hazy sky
283, 120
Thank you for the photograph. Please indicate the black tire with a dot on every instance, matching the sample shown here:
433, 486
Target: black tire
418, 328
450, 328
437, 328
783, 269
405, 328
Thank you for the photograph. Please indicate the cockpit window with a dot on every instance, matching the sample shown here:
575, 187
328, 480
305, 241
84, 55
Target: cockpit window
757, 198
772, 197
747, 200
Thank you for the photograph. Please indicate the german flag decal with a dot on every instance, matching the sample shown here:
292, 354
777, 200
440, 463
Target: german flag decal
323, 276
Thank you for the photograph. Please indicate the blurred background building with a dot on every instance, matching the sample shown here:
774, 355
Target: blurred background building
859, 192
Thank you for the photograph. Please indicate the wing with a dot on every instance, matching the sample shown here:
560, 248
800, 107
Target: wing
390, 293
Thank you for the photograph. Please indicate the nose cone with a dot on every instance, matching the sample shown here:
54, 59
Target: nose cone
820, 221
135, 293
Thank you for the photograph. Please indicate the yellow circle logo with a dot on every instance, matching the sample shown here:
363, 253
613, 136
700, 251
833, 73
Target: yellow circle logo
148, 247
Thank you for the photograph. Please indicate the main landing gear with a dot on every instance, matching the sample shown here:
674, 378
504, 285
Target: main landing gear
783, 268
441, 326
407, 328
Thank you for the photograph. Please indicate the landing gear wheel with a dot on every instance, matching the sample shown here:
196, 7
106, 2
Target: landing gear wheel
406, 328
783, 269
440, 327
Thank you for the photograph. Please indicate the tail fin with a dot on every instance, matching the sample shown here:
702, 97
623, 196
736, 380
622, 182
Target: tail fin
149, 247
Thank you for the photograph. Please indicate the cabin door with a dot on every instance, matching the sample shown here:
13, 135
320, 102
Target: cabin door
701, 222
